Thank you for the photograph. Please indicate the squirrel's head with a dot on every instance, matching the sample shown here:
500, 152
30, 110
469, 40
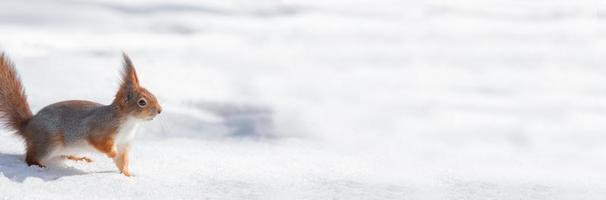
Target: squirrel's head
132, 99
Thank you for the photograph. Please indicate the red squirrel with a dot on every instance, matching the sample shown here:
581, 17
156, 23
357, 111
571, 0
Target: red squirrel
65, 129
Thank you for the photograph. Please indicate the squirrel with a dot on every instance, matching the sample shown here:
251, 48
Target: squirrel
65, 129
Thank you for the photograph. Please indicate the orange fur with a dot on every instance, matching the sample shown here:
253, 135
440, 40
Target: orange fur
14, 110
130, 83
121, 161
105, 144
77, 158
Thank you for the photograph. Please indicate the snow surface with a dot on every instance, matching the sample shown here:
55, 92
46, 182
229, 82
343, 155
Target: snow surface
324, 99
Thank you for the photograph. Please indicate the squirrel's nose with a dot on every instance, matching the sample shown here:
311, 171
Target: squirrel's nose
159, 110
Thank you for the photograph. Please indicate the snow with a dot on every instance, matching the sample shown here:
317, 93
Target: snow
317, 99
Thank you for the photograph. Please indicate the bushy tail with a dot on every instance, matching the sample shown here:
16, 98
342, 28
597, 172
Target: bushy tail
14, 110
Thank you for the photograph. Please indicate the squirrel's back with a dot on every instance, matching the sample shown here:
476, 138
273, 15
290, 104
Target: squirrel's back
73, 119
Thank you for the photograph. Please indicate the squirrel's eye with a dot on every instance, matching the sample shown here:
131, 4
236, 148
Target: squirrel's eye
142, 103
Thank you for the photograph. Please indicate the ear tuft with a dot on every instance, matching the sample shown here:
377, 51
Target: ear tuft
129, 74
130, 81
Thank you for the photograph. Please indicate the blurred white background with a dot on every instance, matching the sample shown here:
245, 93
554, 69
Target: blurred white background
316, 99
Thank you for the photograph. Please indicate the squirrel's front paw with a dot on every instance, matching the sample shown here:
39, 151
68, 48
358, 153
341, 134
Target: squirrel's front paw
127, 173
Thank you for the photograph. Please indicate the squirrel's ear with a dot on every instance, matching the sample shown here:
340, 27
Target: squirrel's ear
129, 74
129, 78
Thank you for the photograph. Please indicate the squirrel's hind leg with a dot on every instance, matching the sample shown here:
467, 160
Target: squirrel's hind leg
34, 154
32, 159
32, 162
42, 150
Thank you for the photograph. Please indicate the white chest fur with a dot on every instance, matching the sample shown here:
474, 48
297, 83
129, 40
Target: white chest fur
126, 132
